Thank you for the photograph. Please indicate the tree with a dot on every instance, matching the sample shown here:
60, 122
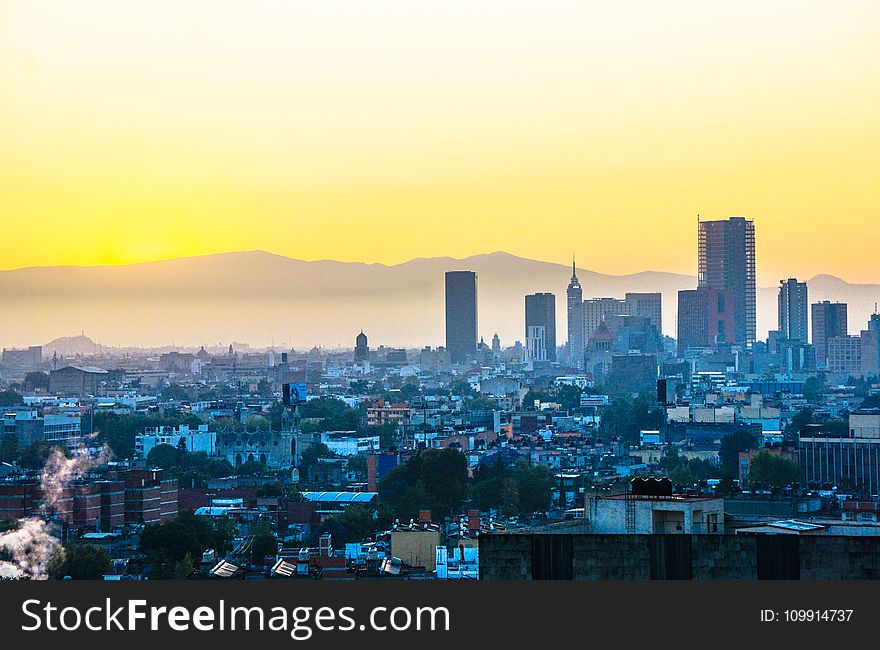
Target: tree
37, 380
250, 468
166, 545
174, 392
80, 562
354, 524
772, 470
10, 398
164, 456
731, 445
514, 487
37, 453
436, 479
798, 421
264, 544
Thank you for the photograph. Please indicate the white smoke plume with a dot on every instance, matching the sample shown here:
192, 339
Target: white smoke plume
30, 547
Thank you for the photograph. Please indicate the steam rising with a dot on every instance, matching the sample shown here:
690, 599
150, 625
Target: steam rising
29, 547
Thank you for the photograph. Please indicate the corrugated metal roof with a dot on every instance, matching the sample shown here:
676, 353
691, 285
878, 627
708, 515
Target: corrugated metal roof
340, 497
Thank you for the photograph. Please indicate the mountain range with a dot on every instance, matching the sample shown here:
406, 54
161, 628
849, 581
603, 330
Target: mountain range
268, 299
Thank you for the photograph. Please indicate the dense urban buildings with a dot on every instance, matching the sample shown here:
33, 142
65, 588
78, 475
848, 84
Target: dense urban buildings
726, 251
640, 455
461, 315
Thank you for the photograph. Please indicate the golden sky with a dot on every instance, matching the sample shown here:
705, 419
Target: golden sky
385, 130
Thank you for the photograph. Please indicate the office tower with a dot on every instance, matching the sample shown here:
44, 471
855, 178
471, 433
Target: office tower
829, 320
596, 310
870, 343
793, 310
536, 343
461, 315
361, 349
575, 298
705, 318
646, 304
541, 313
727, 262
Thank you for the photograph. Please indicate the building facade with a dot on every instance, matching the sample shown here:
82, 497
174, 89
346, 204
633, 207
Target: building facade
792, 306
727, 262
575, 312
541, 314
461, 315
829, 320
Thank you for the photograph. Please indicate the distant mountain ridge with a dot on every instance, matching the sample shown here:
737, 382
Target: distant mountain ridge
264, 298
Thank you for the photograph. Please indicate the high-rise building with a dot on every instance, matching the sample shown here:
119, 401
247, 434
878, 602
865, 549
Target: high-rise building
793, 310
596, 310
646, 304
870, 341
844, 355
536, 343
361, 349
461, 315
727, 262
496, 344
705, 318
575, 299
541, 312
829, 320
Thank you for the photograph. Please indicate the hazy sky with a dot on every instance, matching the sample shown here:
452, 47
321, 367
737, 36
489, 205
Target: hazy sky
385, 130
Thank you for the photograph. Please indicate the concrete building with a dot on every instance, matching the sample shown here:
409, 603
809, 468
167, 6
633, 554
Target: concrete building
541, 313
851, 462
80, 381
22, 359
705, 318
536, 344
792, 307
381, 413
348, 443
659, 515
596, 310
844, 355
28, 426
416, 544
646, 304
828, 321
461, 315
199, 439
727, 262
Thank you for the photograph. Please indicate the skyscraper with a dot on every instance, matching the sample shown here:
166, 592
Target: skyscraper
727, 262
361, 349
461, 315
829, 321
705, 318
793, 310
575, 299
595, 310
541, 313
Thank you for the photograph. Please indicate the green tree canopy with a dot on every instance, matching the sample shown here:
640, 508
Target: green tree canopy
80, 562
434, 478
771, 470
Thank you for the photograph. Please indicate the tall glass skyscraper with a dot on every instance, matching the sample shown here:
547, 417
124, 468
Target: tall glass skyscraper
461, 315
727, 262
